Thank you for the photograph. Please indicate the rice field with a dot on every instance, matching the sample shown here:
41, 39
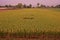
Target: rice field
30, 21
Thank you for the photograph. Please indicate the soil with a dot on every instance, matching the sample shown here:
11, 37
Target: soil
2, 10
41, 37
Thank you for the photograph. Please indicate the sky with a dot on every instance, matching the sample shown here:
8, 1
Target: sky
33, 2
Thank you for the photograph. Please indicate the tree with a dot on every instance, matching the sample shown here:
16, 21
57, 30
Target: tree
24, 6
30, 6
38, 5
43, 6
10, 5
0, 6
6, 6
57, 6
48, 7
19, 5
52, 6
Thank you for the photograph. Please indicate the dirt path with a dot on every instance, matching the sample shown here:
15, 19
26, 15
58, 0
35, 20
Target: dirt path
2, 10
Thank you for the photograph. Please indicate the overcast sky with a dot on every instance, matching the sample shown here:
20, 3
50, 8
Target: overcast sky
33, 2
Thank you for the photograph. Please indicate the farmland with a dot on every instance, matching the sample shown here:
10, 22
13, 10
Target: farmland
30, 21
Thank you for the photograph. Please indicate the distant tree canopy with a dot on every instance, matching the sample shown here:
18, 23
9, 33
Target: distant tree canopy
30, 5
6, 6
57, 6
20, 5
24, 6
42, 6
10, 5
0, 6
38, 5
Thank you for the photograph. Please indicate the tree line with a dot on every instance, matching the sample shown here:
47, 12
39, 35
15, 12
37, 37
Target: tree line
20, 5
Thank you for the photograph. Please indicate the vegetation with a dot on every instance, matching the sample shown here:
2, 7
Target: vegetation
30, 21
34, 22
20, 5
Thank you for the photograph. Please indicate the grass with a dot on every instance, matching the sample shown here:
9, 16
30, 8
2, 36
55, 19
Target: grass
30, 20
